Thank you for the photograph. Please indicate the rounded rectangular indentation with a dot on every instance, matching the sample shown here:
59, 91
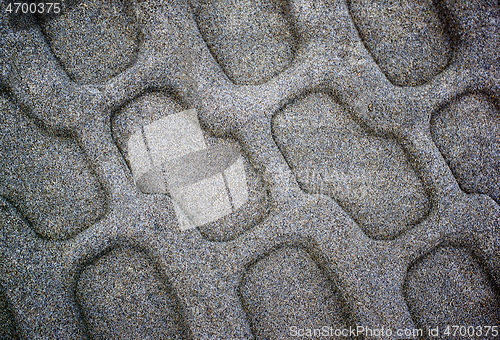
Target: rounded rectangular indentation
251, 40
93, 40
123, 296
47, 177
369, 176
449, 287
406, 38
467, 133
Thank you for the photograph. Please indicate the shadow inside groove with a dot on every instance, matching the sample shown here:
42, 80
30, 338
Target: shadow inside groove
7, 323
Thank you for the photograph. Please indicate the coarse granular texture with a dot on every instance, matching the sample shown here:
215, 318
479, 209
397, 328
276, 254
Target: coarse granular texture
370, 132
